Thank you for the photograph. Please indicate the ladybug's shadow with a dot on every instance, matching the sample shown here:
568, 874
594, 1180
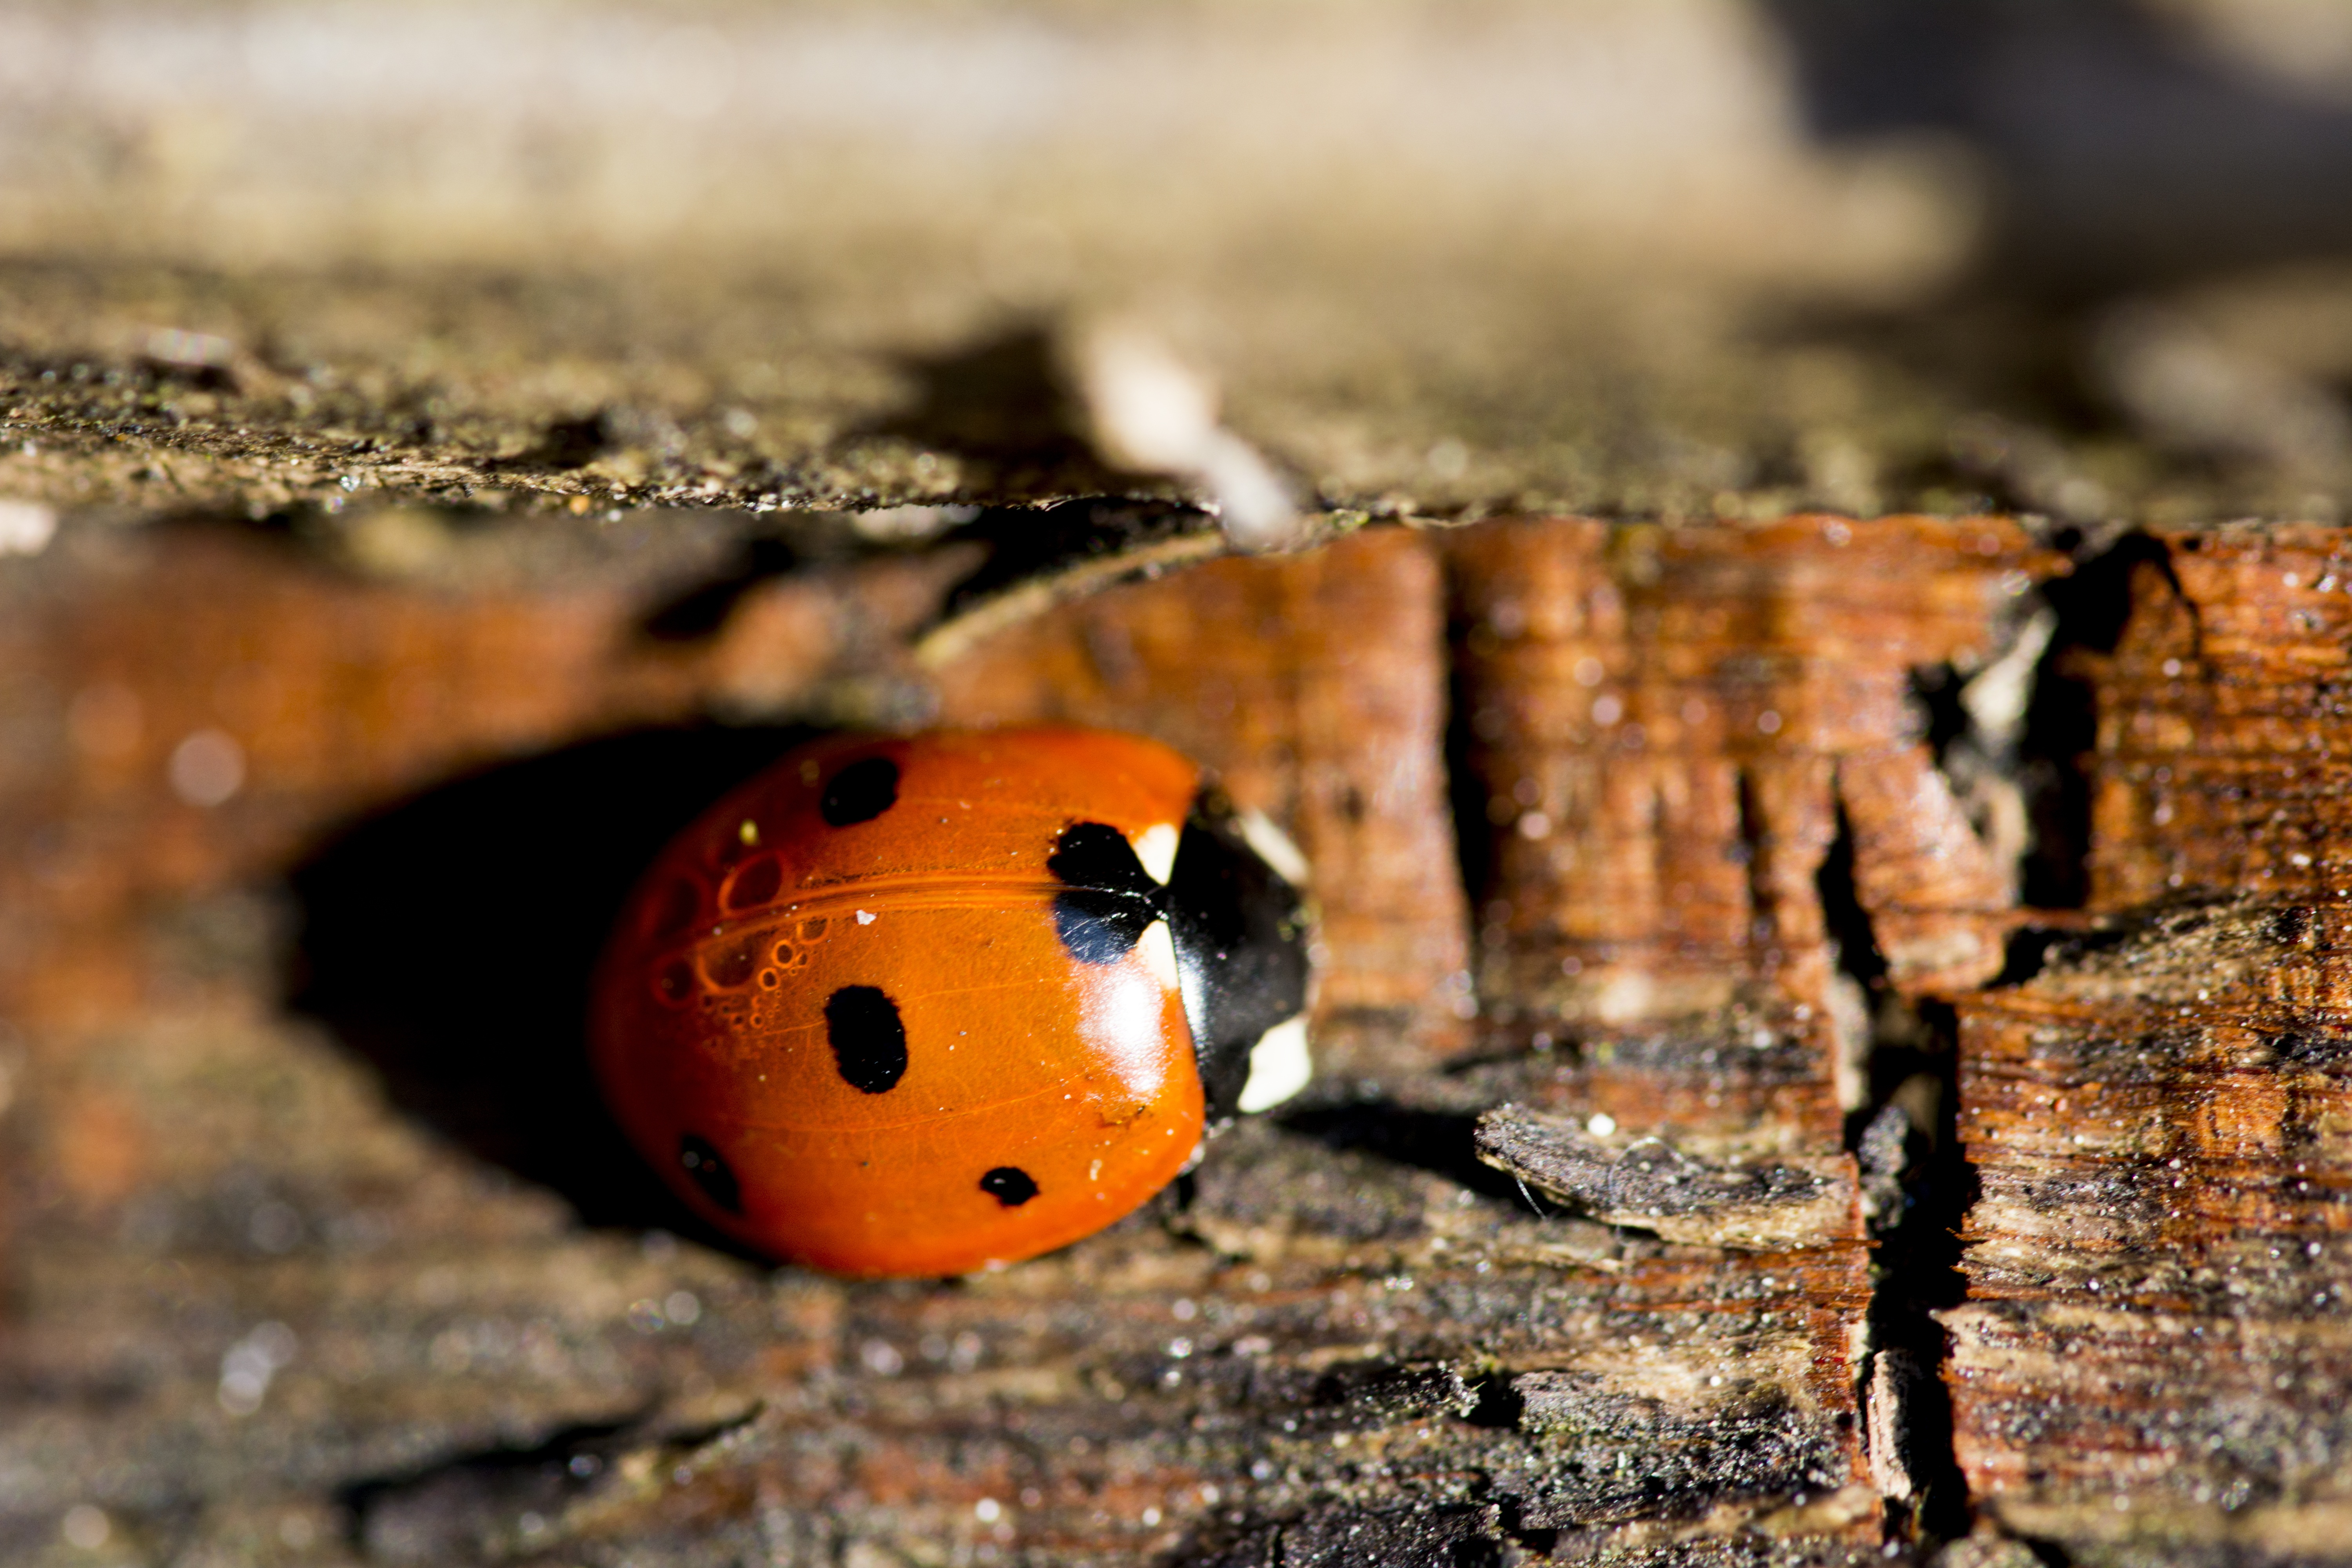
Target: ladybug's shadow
448, 941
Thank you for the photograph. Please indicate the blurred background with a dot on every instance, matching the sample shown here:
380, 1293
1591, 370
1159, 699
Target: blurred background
1673, 257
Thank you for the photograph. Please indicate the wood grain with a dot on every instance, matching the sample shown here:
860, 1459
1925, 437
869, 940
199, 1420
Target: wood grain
346, 1265
2151, 1365
2154, 1354
1669, 731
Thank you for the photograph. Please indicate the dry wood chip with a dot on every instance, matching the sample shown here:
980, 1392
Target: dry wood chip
1650, 1184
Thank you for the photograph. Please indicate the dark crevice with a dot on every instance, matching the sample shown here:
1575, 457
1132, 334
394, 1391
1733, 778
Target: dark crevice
442, 1512
1004, 399
1040, 544
1922, 1186
2049, 1554
1431, 1140
1763, 898
1542, 1543
1936, 698
1498, 1406
2061, 725
2034, 948
1471, 797
564, 445
464, 1508
1467, 786
1848, 923
1918, 1270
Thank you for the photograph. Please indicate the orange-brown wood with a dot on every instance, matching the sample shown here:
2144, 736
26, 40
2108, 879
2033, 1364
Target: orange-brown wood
711, 1009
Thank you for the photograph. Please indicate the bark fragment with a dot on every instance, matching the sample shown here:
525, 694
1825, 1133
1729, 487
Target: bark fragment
1649, 1184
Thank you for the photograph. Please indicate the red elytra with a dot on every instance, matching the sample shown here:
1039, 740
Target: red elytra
922, 1005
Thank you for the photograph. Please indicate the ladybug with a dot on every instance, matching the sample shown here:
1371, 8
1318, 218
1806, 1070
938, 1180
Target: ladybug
928, 1005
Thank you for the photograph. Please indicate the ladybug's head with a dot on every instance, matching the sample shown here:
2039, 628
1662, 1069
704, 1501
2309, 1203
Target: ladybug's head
1238, 913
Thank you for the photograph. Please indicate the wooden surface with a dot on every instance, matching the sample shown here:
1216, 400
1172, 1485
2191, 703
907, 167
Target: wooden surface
320, 1249
1673, 729
315, 1284
2151, 1365
433, 410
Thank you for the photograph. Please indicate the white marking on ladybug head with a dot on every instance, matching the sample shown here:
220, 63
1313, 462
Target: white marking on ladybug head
1280, 1066
1273, 846
1156, 848
1156, 948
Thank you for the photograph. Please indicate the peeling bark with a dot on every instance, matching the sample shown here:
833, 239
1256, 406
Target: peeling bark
1650, 1184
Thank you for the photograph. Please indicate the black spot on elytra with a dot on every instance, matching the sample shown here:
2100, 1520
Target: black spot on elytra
1110, 899
1010, 1185
860, 791
711, 1173
1096, 856
869, 1043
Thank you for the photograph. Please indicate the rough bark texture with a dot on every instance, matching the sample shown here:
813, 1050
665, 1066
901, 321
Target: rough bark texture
1668, 732
2152, 1366
314, 1284
321, 1250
